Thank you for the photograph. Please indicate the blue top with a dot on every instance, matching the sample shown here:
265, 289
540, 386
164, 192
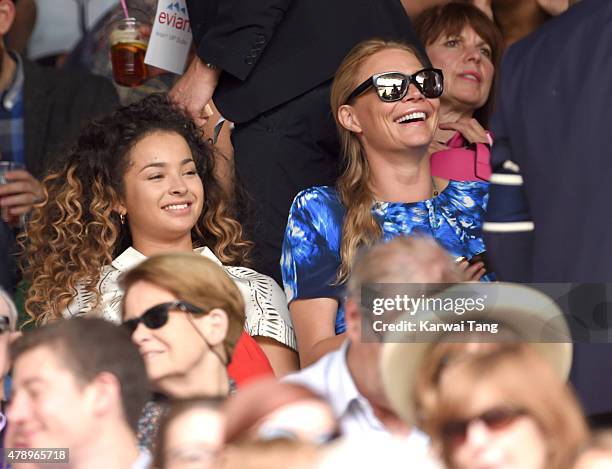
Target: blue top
311, 248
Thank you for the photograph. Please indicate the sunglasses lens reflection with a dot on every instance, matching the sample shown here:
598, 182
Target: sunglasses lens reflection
391, 87
430, 84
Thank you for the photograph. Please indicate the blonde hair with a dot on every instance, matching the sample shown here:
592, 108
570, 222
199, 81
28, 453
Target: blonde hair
71, 236
427, 380
359, 227
523, 379
197, 280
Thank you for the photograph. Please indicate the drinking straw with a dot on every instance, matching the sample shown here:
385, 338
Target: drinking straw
125, 10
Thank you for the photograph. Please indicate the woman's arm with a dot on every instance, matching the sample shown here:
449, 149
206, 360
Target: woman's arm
314, 324
309, 265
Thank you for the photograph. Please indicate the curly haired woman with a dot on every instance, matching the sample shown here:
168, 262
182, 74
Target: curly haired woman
138, 182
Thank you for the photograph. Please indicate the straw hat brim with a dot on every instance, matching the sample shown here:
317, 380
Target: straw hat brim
532, 316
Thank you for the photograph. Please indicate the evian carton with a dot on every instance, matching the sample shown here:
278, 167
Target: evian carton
171, 37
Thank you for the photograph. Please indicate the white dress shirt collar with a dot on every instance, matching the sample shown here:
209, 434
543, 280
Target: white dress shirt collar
331, 378
131, 258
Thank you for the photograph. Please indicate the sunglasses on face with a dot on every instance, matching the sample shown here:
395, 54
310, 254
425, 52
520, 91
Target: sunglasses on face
157, 316
393, 86
454, 433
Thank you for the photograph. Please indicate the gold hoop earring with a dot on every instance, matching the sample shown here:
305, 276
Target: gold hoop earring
122, 218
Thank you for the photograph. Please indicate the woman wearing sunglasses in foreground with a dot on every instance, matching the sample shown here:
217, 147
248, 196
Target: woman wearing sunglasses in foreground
385, 102
186, 316
138, 182
505, 409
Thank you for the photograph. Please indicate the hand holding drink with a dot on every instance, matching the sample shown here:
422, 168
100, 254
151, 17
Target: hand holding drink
128, 43
19, 190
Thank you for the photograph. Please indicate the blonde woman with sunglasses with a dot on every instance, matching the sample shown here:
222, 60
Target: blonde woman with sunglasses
385, 99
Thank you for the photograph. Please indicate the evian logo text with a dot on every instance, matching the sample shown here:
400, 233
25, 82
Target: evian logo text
175, 16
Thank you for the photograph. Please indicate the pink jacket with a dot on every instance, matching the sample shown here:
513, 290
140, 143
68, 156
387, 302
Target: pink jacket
462, 161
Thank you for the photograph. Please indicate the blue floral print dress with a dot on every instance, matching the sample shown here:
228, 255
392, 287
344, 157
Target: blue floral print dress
311, 248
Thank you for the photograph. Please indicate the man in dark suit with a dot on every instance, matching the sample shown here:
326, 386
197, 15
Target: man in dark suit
548, 215
41, 109
270, 64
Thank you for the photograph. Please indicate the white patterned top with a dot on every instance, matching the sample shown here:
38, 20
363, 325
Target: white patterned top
266, 312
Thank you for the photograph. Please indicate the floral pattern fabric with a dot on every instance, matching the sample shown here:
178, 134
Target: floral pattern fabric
311, 248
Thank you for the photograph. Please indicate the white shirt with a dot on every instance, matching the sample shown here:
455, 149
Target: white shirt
331, 379
367, 453
266, 312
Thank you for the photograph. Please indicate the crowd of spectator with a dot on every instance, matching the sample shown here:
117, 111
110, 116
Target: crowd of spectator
205, 271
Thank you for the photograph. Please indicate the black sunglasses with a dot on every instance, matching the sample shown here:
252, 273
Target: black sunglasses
157, 316
393, 86
454, 433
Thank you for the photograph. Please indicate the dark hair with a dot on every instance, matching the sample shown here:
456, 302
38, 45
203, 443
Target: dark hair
88, 347
450, 19
76, 230
177, 408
